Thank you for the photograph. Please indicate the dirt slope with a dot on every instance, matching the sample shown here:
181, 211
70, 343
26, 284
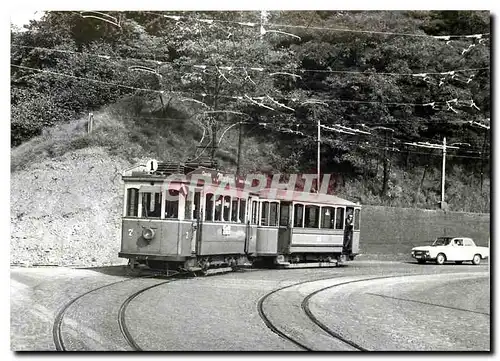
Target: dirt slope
66, 210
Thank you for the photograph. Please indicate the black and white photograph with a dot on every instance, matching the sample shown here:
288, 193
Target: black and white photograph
250, 180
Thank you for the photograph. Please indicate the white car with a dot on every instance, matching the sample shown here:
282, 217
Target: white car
457, 249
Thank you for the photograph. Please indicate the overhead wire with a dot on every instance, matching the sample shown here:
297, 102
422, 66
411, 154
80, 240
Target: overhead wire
309, 27
227, 96
258, 68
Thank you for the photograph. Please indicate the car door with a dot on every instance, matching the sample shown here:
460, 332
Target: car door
453, 250
459, 251
469, 249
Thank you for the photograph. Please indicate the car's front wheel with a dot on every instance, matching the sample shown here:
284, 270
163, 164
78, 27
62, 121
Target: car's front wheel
476, 259
440, 259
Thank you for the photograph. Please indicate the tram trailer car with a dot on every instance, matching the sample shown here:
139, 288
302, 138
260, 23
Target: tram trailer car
301, 227
194, 229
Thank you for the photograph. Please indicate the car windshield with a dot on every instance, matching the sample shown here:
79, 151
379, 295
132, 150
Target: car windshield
442, 241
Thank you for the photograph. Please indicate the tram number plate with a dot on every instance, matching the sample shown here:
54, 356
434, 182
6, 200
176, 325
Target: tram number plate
226, 230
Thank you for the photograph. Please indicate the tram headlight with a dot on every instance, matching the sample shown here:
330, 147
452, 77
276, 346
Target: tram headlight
148, 233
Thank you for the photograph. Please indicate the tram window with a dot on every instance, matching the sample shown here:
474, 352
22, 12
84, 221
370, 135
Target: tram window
132, 202
273, 214
264, 214
255, 212
327, 217
339, 219
226, 208
197, 207
209, 204
218, 208
243, 208
357, 214
234, 210
151, 205
188, 209
298, 215
284, 214
311, 219
172, 206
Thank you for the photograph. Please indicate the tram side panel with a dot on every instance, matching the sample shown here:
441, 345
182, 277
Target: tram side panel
133, 240
355, 242
267, 241
222, 238
170, 239
310, 240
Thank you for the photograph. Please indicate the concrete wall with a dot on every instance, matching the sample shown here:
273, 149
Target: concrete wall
387, 230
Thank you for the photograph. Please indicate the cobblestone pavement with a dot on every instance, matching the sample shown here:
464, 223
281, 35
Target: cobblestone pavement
220, 312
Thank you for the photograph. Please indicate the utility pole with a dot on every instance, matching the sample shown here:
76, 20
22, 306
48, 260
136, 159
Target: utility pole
316, 102
214, 139
482, 159
214, 126
239, 150
263, 20
443, 147
319, 152
443, 174
386, 159
385, 181
487, 127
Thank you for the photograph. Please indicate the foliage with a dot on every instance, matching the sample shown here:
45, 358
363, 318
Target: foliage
200, 73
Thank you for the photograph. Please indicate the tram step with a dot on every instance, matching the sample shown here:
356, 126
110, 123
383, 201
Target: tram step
309, 265
213, 271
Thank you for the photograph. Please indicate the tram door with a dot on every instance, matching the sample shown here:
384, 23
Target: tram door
251, 225
285, 227
356, 231
355, 212
197, 217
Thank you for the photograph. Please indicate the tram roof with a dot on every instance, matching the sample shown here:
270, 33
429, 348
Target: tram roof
305, 197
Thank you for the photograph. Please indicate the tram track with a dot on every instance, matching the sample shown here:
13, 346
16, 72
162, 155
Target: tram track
300, 327
121, 316
305, 307
57, 333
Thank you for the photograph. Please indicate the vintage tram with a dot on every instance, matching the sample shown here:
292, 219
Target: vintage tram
178, 216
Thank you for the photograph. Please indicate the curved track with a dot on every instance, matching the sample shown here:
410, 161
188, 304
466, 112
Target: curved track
57, 326
121, 316
305, 307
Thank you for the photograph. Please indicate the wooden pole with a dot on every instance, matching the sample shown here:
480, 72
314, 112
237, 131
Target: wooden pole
239, 151
90, 123
319, 155
443, 173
